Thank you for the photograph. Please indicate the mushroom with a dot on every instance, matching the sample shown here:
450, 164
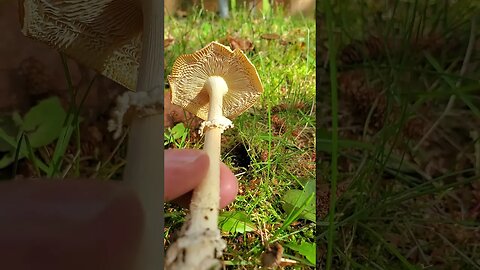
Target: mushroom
213, 83
118, 38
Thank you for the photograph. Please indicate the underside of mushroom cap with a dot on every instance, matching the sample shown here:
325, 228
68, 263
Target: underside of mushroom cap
190, 72
102, 34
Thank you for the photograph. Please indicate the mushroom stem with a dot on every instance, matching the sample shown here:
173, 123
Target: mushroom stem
207, 195
200, 244
144, 164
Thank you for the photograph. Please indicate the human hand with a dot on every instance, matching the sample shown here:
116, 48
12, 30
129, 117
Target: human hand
185, 169
88, 224
68, 224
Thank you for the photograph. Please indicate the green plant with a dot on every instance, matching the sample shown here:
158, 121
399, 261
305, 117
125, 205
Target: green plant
300, 203
177, 136
41, 126
271, 148
397, 69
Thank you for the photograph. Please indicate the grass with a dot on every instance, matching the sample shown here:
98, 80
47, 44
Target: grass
271, 148
402, 74
53, 132
334, 101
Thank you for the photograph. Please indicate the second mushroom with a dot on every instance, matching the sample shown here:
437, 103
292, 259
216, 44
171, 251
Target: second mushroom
216, 84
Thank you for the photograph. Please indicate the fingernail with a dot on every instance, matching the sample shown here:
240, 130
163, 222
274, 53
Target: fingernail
184, 156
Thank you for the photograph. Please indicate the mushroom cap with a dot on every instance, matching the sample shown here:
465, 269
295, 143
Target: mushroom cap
102, 34
190, 72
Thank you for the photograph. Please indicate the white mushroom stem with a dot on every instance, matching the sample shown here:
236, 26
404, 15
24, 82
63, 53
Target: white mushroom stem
207, 195
144, 168
200, 244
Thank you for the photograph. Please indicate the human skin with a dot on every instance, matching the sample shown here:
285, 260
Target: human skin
88, 224
189, 168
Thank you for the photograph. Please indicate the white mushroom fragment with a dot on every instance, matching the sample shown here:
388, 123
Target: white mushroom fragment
120, 39
214, 83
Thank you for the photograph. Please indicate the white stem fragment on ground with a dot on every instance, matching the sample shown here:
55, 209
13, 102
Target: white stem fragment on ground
200, 244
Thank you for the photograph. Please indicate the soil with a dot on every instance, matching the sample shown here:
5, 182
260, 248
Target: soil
449, 148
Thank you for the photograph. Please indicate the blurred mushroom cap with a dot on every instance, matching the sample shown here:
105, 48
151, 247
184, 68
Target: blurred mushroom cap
191, 71
101, 34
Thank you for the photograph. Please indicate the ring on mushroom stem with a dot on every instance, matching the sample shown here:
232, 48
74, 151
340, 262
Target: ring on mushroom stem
213, 83
216, 88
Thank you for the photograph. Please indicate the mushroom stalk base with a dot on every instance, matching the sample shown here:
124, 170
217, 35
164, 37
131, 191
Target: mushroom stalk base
200, 244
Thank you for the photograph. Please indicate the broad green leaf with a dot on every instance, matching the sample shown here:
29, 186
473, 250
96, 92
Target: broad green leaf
7, 159
17, 119
8, 131
43, 123
306, 249
235, 222
296, 200
310, 187
178, 131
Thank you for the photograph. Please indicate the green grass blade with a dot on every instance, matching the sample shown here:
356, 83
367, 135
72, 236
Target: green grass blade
334, 111
31, 155
389, 247
17, 154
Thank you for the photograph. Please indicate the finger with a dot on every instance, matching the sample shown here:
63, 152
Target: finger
228, 186
228, 189
68, 224
184, 170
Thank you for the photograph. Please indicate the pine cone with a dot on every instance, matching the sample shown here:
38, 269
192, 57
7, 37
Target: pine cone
361, 97
358, 51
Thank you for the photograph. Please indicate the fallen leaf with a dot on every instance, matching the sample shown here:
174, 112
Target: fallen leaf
272, 256
174, 114
168, 42
240, 43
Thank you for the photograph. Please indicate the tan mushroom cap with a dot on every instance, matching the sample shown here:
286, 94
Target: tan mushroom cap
190, 72
102, 34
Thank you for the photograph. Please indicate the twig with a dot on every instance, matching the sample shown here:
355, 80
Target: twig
453, 97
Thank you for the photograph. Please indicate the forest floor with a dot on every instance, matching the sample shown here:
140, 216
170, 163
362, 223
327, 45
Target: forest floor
406, 100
